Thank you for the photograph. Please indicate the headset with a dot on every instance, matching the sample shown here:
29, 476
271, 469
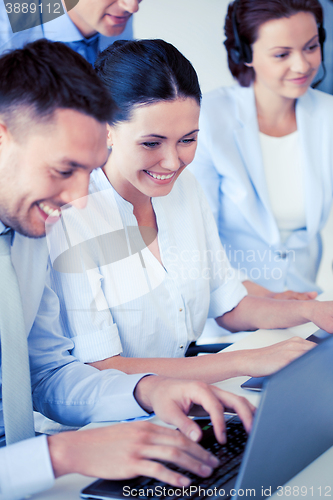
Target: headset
241, 53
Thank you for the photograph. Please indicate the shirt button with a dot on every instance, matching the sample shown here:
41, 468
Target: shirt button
180, 310
181, 347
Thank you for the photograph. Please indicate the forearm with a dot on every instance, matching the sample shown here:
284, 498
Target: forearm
77, 394
257, 290
261, 312
260, 291
209, 368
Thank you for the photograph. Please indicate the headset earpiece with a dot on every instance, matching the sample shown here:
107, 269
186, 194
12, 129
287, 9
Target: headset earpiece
235, 55
322, 38
242, 52
247, 52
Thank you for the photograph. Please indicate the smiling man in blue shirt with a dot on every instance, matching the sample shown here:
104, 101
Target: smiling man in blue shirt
88, 27
53, 113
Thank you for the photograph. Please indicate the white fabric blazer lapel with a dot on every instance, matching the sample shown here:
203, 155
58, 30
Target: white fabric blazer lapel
313, 146
255, 206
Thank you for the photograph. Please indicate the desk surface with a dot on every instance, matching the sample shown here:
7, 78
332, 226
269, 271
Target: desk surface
314, 482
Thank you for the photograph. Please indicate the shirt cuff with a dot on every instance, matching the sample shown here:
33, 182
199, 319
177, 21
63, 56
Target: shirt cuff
226, 297
98, 345
25, 468
123, 393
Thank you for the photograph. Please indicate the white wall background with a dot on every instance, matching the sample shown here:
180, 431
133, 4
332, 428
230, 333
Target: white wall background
195, 27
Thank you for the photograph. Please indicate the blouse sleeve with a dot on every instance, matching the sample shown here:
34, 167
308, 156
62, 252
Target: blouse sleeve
85, 315
77, 276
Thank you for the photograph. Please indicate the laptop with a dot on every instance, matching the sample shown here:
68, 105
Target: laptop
256, 383
292, 427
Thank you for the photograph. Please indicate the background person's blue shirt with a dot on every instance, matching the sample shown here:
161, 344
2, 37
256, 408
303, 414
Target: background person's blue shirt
61, 29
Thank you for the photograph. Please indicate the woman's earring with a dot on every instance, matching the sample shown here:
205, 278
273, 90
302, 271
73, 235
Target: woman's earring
109, 148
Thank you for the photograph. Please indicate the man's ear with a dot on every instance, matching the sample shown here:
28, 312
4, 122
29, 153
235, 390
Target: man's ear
4, 133
6, 140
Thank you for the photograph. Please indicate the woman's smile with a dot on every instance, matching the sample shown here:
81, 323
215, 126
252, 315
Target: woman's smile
159, 177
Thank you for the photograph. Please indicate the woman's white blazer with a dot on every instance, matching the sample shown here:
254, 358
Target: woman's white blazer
229, 165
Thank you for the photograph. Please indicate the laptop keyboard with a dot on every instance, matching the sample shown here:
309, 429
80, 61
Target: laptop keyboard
230, 456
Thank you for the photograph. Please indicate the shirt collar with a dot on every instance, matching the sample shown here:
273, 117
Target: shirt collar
3, 228
101, 182
62, 29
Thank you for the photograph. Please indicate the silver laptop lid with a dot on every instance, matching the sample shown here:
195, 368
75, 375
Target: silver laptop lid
293, 424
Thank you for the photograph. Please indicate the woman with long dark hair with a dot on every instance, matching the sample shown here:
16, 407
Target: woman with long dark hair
142, 266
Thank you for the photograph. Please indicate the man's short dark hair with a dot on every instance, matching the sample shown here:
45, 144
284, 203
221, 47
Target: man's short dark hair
45, 76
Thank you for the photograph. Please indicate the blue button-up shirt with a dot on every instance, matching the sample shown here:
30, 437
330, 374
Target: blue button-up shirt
61, 29
63, 388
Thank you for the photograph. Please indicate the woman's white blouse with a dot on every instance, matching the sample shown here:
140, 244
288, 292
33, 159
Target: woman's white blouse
115, 295
284, 175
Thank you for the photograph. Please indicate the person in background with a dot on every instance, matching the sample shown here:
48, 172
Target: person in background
142, 266
53, 114
264, 156
87, 27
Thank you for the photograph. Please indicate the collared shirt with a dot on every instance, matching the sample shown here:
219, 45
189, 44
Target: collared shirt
61, 29
63, 388
119, 298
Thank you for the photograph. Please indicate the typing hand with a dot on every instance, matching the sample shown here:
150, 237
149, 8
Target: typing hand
172, 400
268, 360
123, 451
